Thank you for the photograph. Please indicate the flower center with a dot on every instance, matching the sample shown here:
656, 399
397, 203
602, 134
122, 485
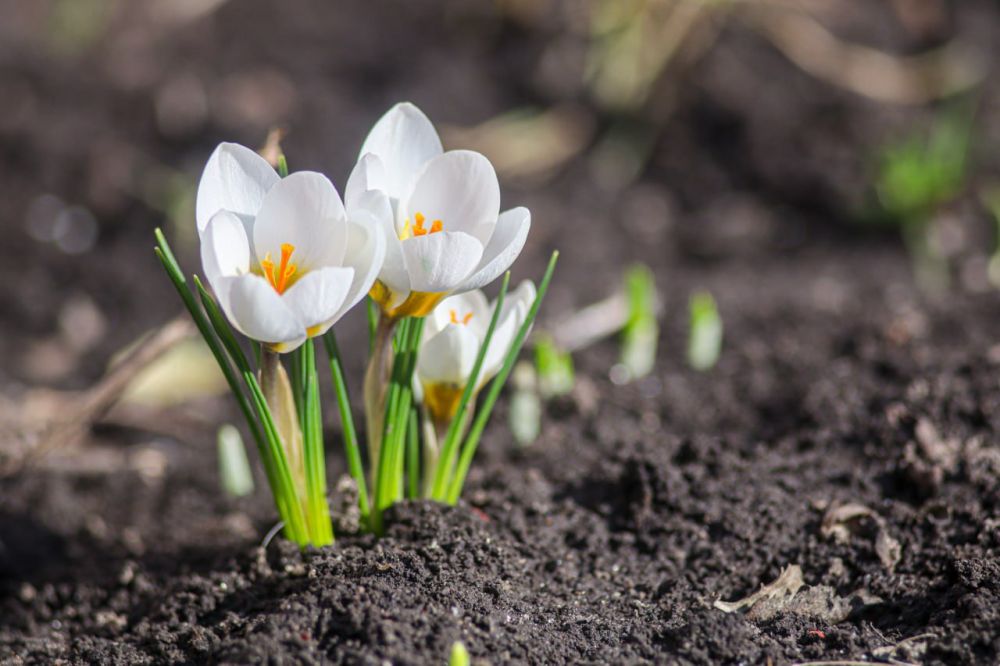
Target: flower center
417, 228
463, 321
282, 275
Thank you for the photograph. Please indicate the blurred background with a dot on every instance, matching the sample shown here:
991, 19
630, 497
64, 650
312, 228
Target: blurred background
733, 144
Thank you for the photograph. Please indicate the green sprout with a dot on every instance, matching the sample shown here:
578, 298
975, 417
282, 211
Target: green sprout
554, 367
525, 419
705, 332
915, 178
234, 468
459, 655
639, 336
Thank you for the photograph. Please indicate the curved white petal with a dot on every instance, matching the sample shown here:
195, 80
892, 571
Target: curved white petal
225, 249
440, 262
472, 303
365, 254
304, 210
368, 174
235, 179
512, 316
404, 139
460, 188
448, 356
257, 311
372, 207
504, 247
317, 298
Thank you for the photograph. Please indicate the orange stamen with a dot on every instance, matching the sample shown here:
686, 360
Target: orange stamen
418, 227
464, 320
286, 269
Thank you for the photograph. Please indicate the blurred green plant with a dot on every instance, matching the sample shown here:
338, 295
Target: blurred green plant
639, 336
704, 333
459, 655
918, 175
990, 198
234, 467
76, 25
525, 418
551, 376
631, 311
554, 367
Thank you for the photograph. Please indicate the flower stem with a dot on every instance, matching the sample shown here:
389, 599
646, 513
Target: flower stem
277, 390
376, 383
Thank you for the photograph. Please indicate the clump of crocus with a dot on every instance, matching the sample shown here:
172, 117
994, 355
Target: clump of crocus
445, 235
285, 258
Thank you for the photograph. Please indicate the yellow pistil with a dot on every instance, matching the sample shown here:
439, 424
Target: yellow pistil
283, 277
417, 228
442, 400
463, 321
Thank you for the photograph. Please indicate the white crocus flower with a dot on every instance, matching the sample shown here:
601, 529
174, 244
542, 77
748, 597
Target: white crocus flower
453, 336
282, 255
444, 229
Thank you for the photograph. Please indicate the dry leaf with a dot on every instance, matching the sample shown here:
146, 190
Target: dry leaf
784, 587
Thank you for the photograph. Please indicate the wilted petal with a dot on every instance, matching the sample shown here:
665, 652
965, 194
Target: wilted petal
440, 262
504, 247
305, 211
403, 139
235, 179
459, 188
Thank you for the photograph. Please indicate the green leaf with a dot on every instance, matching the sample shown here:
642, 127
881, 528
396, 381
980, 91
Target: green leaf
351, 446
479, 424
449, 449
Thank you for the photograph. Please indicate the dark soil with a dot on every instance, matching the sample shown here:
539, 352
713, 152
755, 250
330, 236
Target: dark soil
608, 540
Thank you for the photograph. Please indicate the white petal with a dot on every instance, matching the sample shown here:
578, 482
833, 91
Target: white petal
372, 207
304, 210
448, 356
225, 249
504, 247
257, 311
365, 254
512, 316
235, 179
317, 298
404, 139
459, 188
440, 262
473, 302
368, 174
